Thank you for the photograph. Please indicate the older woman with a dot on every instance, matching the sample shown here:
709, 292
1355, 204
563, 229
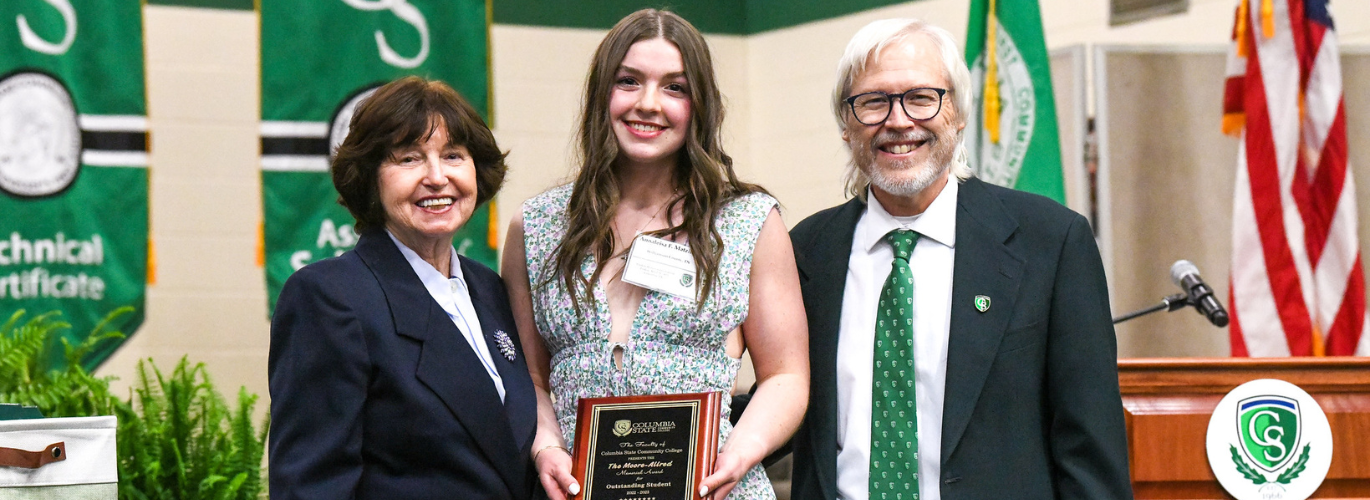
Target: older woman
395, 369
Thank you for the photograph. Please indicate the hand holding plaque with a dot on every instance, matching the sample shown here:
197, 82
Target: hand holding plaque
645, 447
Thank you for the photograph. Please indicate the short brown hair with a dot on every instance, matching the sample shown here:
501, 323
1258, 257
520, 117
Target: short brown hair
400, 114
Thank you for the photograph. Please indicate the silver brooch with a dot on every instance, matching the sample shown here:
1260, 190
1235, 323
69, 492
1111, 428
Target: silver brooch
506, 345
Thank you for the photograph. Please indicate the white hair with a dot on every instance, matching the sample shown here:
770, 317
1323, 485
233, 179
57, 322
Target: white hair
866, 45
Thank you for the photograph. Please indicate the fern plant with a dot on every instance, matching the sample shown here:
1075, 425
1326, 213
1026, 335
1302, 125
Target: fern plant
177, 437
59, 391
183, 441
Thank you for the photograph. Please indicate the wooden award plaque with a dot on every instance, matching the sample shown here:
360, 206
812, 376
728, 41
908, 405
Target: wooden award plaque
647, 447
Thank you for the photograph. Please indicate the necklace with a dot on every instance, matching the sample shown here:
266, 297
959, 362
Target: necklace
649, 222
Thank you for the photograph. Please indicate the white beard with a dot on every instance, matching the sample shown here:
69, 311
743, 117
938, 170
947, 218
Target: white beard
923, 176
906, 178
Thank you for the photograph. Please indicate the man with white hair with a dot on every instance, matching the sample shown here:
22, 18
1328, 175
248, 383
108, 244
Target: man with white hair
960, 337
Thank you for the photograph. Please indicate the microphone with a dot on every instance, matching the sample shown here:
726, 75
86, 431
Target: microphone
1186, 276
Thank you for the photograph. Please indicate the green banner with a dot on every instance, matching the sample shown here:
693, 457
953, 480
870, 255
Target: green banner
1016, 145
319, 59
73, 164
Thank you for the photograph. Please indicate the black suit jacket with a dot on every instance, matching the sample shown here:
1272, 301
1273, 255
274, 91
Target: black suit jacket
375, 393
1032, 408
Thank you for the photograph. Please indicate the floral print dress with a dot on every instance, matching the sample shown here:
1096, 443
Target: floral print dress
672, 347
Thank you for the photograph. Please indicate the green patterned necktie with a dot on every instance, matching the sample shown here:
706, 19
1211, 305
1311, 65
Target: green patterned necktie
894, 412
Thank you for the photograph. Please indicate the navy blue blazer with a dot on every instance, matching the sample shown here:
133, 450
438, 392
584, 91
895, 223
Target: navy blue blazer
1032, 408
375, 393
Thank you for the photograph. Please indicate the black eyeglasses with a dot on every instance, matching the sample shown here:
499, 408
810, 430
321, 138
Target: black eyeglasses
873, 108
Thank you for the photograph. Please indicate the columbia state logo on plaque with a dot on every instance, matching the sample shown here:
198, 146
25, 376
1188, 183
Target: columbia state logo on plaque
1269, 440
40, 138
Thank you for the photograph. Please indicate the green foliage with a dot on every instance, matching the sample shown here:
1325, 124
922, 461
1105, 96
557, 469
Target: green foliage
26, 375
183, 441
177, 437
1293, 471
1246, 469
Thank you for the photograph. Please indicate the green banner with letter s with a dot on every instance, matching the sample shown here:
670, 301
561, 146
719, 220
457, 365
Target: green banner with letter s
73, 165
319, 59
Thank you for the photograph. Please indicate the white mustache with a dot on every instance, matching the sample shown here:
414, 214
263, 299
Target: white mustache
888, 136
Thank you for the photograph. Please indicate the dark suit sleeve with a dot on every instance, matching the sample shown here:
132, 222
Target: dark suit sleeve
1088, 438
317, 373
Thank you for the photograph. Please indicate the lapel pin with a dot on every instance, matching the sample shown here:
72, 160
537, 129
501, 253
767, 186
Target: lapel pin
506, 345
982, 303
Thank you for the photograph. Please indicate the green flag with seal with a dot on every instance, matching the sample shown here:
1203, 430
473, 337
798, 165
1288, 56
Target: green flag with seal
1012, 138
319, 60
73, 165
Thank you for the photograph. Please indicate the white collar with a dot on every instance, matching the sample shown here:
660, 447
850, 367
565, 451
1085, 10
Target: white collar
437, 284
938, 222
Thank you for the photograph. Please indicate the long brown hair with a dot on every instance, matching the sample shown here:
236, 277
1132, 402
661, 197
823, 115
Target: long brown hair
703, 175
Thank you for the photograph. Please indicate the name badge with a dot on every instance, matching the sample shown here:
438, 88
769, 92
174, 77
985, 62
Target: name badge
661, 265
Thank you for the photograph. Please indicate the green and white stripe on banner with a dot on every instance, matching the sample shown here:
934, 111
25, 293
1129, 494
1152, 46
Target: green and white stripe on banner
1012, 137
319, 59
73, 165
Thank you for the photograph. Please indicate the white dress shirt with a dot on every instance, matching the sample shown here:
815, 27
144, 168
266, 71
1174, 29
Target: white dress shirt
455, 298
869, 266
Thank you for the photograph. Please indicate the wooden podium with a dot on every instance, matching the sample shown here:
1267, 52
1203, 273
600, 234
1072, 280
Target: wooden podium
1168, 402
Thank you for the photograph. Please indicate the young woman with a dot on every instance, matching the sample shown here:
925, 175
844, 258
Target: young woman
651, 165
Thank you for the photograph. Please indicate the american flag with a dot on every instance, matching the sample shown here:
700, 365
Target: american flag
1297, 285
